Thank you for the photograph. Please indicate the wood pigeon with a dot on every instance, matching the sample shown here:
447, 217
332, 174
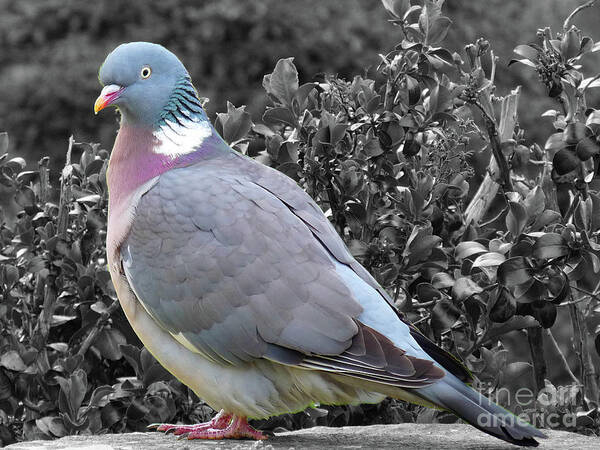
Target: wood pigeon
237, 283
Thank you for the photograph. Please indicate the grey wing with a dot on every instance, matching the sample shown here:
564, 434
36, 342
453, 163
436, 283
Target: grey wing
304, 207
232, 272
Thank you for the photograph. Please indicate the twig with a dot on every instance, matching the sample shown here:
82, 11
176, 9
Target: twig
42, 328
561, 355
587, 371
486, 192
65, 194
593, 295
536, 346
577, 10
44, 179
572, 207
388, 101
577, 338
492, 130
493, 219
30, 405
100, 322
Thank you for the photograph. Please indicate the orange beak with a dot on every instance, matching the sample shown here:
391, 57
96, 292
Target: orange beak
108, 95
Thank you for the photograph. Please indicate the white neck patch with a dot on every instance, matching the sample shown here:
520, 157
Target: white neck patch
183, 137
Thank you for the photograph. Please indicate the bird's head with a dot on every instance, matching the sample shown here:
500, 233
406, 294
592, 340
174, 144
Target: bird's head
139, 78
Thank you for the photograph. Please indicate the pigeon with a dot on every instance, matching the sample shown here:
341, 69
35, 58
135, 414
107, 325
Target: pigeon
237, 283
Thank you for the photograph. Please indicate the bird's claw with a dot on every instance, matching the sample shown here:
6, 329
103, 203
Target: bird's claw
222, 426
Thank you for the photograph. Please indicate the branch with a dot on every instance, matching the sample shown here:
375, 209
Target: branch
561, 356
482, 199
577, 10
44, 179
100, 322
492, 130
65, 194
593, 295
536, 346
587, 371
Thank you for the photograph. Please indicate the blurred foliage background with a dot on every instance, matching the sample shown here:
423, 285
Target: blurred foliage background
51, 52
370, 151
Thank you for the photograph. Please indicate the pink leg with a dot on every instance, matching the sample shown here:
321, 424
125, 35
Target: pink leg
239, 428
222, 426
220, 421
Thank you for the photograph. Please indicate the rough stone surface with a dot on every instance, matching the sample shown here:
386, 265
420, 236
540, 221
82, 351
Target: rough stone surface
403, 436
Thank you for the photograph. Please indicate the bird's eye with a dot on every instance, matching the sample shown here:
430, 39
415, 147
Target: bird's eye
146, 72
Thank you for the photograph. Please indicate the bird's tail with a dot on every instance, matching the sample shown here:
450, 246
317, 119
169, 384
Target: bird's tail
452, 394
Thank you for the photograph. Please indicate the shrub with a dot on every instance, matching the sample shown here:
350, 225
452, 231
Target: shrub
390, 160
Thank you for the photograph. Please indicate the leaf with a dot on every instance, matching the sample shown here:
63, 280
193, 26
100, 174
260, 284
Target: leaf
516, 219
559, 287
535, 202
108, 343
550, 246
527, 52
78, 389
504, 307
282, 115
463, 288
570, 45
11, 275
522, 61
468, 248
545, 312
574, 132
5, 386
283, 82
51, 426
397, 7
490, 259
25, 197
132, 354
519, 370
420, 244
586, 148
554, 143
99, 393
236, 123
61, 347
17, 164
443, 316
438, 31
442, 280
426, 292
91, 199
529, 292
58, 320
27, 176
547, 217
514, 271
12, 360
95, 166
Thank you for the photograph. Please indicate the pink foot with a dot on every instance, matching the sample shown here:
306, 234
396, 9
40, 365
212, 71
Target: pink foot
222, 426
239, 428
220, 421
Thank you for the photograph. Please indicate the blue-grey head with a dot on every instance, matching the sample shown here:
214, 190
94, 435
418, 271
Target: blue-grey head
145, 82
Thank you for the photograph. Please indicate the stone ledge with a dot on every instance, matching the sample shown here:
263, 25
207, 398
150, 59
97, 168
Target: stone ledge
405, 436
